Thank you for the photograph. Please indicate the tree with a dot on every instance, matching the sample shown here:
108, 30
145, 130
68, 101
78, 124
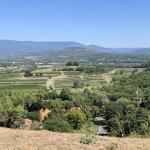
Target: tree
66, 94
144, 129
53, 95
78, 84
114, 126
68, 104
57, 123
76, 119
141, 122
72, 63
56, 104
28, 73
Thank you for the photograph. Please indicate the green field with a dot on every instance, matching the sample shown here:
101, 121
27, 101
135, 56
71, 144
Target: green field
8, 75
63, 79
72, 73
64, 83
15, 81
21, 88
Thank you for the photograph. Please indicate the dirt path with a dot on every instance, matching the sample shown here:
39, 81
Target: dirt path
108, 76
81, 77
51, 82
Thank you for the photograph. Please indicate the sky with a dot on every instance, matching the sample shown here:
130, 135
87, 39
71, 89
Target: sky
109, 23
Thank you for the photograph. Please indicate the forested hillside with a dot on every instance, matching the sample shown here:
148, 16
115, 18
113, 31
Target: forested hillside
124, 103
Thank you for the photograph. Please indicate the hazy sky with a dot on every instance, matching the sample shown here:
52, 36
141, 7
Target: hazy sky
110, 23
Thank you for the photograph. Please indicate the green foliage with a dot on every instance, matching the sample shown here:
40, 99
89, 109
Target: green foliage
88, 139
66, 94
56, 104
124, 104
76, 119
28, 73
146, 64
68, 105
72, 63
78, 84
57, 123
96, 69
112, 147
127, 93
35, 125
33, 116
67, 69
114, 126
20, 111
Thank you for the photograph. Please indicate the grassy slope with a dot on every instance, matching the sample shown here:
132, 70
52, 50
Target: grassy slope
45, 140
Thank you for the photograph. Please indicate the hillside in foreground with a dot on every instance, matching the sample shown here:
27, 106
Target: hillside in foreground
44, 140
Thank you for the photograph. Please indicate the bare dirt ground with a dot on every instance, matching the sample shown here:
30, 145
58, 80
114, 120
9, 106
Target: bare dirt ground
50, 82
108, 76
44, 140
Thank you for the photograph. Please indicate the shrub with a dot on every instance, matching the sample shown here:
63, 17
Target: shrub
76, 118
72, 63
28, 73
35, 125
78, 84
88, 139
57, 123
68, 104
67, 69
112, 147
51, 88
66, 94
114, 126
144, 129
33, 116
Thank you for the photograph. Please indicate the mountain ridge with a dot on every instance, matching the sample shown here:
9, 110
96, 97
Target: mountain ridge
15, 47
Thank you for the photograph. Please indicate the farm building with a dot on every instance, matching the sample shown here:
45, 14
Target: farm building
101, 126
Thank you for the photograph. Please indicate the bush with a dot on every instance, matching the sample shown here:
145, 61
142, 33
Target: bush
88, 139
78, 84
112, 147
66, 94
35, 125
33, 116
114, 126
57, 123
144, 129
67, 69
28, 73
76, 119
72, 63
68, 104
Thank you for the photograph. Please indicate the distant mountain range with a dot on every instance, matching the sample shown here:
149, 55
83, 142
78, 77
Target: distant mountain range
10, 47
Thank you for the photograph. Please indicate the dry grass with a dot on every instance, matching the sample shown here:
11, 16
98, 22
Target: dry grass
45, 140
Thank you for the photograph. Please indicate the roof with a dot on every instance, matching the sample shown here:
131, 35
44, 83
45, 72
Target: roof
99, 119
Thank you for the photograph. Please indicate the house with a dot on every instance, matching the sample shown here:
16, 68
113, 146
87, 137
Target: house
101, 126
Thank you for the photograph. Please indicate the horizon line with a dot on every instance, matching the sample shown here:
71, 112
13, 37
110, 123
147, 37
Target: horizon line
38, 41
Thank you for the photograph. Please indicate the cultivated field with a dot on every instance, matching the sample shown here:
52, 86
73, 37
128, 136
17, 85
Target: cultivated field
17, 82
46, 77
44, 140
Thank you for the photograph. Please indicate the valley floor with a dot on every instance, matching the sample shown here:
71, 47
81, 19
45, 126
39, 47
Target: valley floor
11, 139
